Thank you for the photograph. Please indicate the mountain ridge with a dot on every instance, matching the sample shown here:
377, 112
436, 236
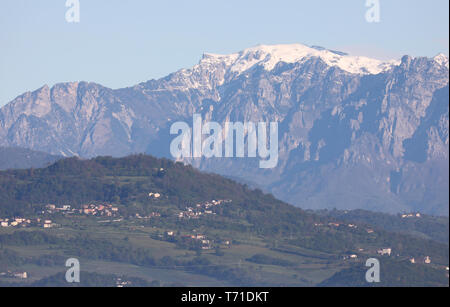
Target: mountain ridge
21, 158
332, 122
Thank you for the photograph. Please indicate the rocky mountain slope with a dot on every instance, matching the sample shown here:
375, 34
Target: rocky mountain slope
353, 132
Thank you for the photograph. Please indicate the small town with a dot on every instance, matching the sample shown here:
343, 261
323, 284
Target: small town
102, 210
16, 275
411, 215
201, 209
107, 211
24, 222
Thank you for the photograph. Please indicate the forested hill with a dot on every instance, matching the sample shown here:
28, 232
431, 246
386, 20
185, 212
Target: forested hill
126, 181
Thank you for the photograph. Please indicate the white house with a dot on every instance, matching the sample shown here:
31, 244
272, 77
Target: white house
21, 275
385, 251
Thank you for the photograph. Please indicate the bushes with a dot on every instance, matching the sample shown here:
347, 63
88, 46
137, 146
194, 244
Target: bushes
263, 259
25, 238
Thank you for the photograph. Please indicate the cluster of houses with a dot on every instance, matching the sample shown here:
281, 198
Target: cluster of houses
18, 275
336, 225
201, 209
411, 215
202, 239
122, 283
426, 260
24, 222
154, 195
151, 215
205, 243
388, 252
90, 209
98, 210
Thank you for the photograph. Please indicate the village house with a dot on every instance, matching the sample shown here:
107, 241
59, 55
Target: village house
154, 195
206, 245
21, 275
385, 251
15, 222
411, 215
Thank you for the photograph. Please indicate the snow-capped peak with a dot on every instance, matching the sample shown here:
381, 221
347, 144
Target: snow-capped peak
441, 59
270, 55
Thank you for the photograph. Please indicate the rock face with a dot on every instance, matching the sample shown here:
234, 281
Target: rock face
353, 132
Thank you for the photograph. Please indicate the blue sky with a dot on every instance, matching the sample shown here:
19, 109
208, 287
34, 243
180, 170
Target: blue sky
120, 43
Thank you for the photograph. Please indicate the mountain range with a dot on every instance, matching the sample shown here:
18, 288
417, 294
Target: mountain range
354, 132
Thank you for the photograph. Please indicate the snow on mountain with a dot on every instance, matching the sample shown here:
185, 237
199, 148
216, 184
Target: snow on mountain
269, 56
441, 59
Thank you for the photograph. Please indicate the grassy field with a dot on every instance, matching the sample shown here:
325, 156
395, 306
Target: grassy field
307, 269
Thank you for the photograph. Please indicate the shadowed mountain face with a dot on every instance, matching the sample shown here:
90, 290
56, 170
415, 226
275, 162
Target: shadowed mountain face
21, 158
353, 132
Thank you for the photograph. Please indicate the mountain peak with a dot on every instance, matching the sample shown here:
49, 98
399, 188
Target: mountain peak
269, 56
441, 59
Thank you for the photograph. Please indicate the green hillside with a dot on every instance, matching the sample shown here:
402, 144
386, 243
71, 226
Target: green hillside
166, 223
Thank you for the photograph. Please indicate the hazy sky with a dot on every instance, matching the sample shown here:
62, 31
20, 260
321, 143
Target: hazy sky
120, 43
